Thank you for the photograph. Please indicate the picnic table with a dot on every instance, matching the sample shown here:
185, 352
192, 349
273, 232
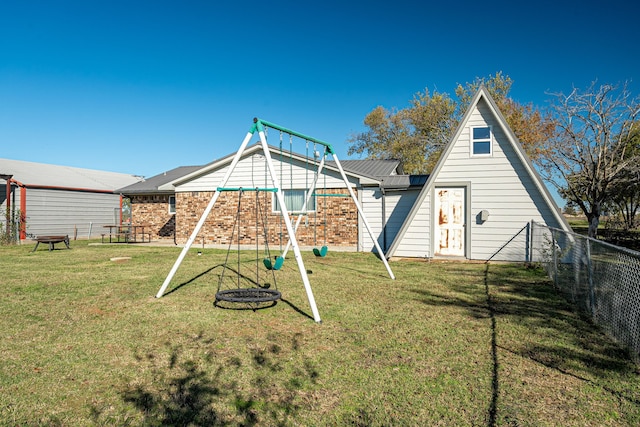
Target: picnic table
52, 240
125, 233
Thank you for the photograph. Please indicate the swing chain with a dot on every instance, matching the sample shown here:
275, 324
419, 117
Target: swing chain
260, 293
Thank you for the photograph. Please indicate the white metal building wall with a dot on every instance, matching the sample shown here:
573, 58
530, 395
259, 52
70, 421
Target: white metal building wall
60, 212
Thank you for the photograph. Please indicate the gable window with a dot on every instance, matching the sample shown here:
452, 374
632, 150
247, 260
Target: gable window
481, 140
294, 200
172, 204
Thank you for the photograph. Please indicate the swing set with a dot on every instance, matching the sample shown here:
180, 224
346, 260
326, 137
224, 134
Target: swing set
258, 293
255, 291
322, 251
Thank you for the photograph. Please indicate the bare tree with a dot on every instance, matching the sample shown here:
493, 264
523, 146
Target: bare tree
589, 155
626, 200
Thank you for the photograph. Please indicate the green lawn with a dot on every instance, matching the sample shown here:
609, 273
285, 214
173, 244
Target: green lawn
85, 342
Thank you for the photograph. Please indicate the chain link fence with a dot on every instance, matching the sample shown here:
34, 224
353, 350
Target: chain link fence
601, 279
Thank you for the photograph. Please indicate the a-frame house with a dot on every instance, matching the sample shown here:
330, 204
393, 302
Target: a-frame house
481, 196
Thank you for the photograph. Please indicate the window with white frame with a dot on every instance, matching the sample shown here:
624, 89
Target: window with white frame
481, 141
172, 204
294, 200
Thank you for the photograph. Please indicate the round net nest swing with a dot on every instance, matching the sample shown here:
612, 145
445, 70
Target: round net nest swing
248, 295
248, 290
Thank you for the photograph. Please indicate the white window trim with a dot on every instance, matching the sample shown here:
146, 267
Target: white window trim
169, 205
274, 201
472, 140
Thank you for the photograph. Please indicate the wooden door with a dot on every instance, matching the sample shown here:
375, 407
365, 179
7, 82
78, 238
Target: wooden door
450, 221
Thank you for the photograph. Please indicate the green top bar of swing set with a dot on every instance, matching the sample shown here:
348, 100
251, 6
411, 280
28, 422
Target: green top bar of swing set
258, 125
272, 190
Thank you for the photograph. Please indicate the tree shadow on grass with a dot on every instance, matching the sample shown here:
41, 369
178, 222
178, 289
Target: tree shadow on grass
259, 387
535, 304
530, 301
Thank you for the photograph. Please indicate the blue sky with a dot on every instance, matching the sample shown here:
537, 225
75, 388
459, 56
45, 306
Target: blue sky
142, 87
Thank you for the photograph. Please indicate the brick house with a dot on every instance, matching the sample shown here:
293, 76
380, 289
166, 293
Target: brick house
171, 203
153, 206
478, 202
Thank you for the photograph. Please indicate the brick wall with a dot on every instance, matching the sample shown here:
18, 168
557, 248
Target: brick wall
338, 213
153, 211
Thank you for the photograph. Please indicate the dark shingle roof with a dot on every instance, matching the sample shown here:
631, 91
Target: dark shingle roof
403, 181
386, 171
152, 184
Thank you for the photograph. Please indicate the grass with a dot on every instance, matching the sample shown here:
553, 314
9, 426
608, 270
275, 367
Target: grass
84, 342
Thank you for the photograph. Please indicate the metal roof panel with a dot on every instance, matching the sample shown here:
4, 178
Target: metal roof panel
43, 174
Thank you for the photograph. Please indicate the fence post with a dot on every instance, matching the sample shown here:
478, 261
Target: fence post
592, 295
527, 251
555, 258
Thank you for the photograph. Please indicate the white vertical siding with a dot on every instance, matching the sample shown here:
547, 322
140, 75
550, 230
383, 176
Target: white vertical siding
500, 184
251, 171
371, 201
398, 205
417, 238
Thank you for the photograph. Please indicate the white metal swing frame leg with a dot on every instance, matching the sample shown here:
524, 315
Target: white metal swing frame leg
290, 230
363, 217
204, 216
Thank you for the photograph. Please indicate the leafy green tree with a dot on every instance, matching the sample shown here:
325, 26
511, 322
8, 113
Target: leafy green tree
414, 135
417, 134
497, 85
